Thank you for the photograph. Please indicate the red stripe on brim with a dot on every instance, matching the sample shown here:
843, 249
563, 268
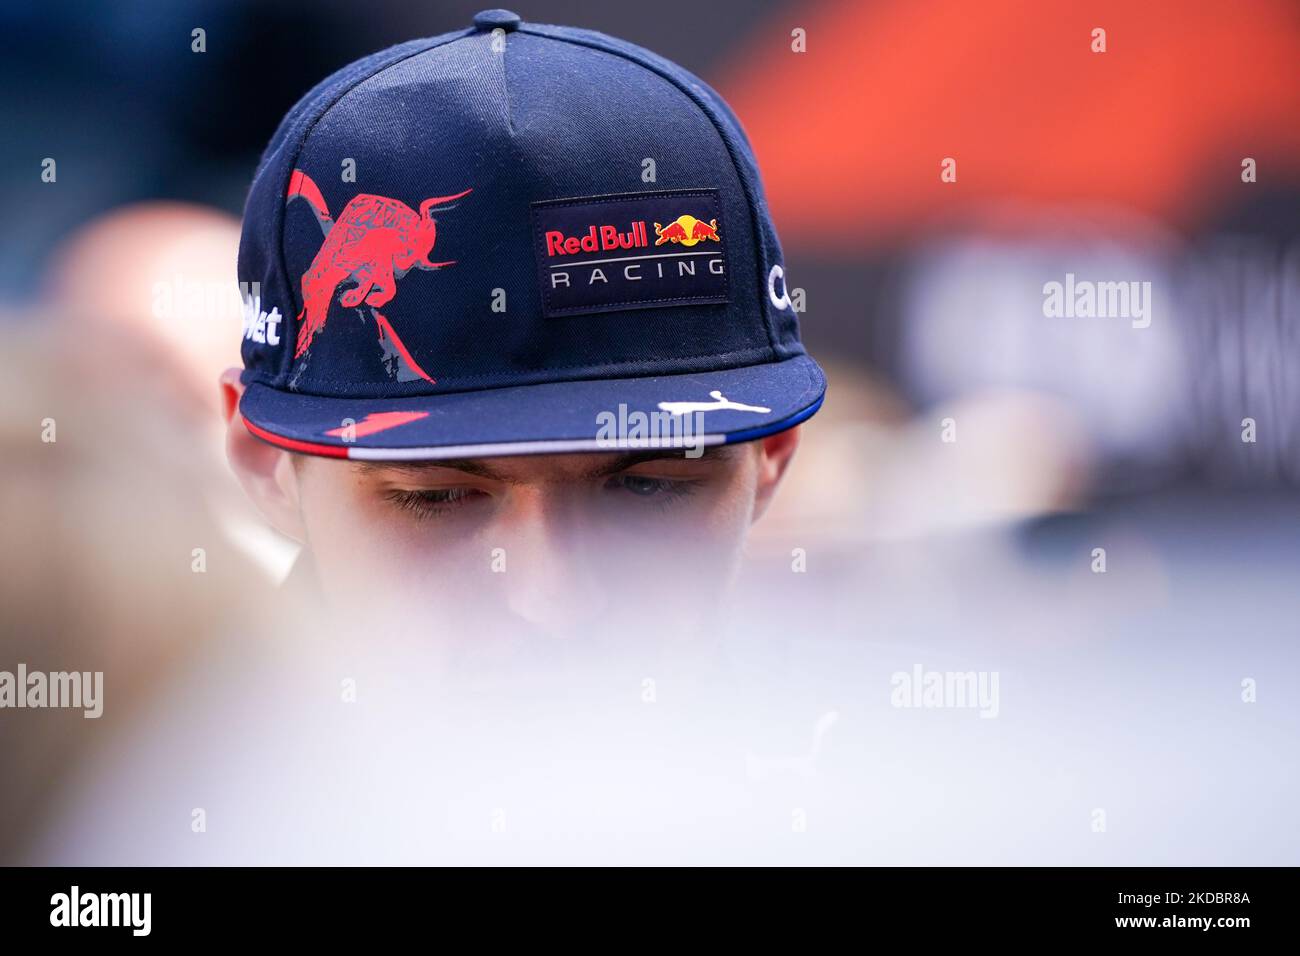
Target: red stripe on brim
292, 444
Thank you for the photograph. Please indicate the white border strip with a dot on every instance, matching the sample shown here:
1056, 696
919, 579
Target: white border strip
555, 447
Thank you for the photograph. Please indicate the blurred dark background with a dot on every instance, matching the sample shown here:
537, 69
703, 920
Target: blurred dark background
114, 92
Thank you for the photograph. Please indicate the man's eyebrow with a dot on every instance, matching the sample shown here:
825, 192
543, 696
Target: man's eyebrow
631, 460
480, 467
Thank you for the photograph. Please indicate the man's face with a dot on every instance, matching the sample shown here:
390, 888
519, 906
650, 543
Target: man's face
625, 544
557, 541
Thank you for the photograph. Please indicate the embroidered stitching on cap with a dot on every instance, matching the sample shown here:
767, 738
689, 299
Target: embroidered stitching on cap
675, 238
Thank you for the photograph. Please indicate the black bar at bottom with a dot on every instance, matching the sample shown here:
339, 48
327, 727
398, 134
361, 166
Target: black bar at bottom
333, 906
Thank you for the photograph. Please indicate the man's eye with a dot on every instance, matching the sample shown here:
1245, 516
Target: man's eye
645, 487
430, 501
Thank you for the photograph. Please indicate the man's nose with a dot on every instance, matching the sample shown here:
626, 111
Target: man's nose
549, 572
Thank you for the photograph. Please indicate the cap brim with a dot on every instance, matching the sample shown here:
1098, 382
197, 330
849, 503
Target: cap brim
552, 418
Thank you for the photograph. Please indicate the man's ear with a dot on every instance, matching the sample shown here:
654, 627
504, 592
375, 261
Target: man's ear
265, 472
775, 454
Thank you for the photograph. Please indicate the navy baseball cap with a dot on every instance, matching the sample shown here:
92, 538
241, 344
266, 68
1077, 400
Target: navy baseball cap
508, 239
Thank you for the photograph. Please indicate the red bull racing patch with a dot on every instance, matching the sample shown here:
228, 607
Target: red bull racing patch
630, 251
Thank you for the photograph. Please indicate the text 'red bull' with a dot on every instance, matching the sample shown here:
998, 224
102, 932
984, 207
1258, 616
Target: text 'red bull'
603, 238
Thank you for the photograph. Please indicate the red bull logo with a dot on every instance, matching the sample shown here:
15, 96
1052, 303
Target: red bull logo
597, 254
603, 238
374, 242
687, 230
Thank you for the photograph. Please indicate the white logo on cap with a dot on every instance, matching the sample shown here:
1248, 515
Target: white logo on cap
781, 301
682, 408
261, 326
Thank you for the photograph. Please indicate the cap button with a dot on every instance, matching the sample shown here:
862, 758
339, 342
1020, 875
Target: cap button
497, 19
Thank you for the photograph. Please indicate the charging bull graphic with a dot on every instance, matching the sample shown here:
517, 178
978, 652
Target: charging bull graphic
373, 243
687, 230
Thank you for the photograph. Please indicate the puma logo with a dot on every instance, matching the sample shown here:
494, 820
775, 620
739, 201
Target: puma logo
684, 408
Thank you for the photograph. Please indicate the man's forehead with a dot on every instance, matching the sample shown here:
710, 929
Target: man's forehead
565, 467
